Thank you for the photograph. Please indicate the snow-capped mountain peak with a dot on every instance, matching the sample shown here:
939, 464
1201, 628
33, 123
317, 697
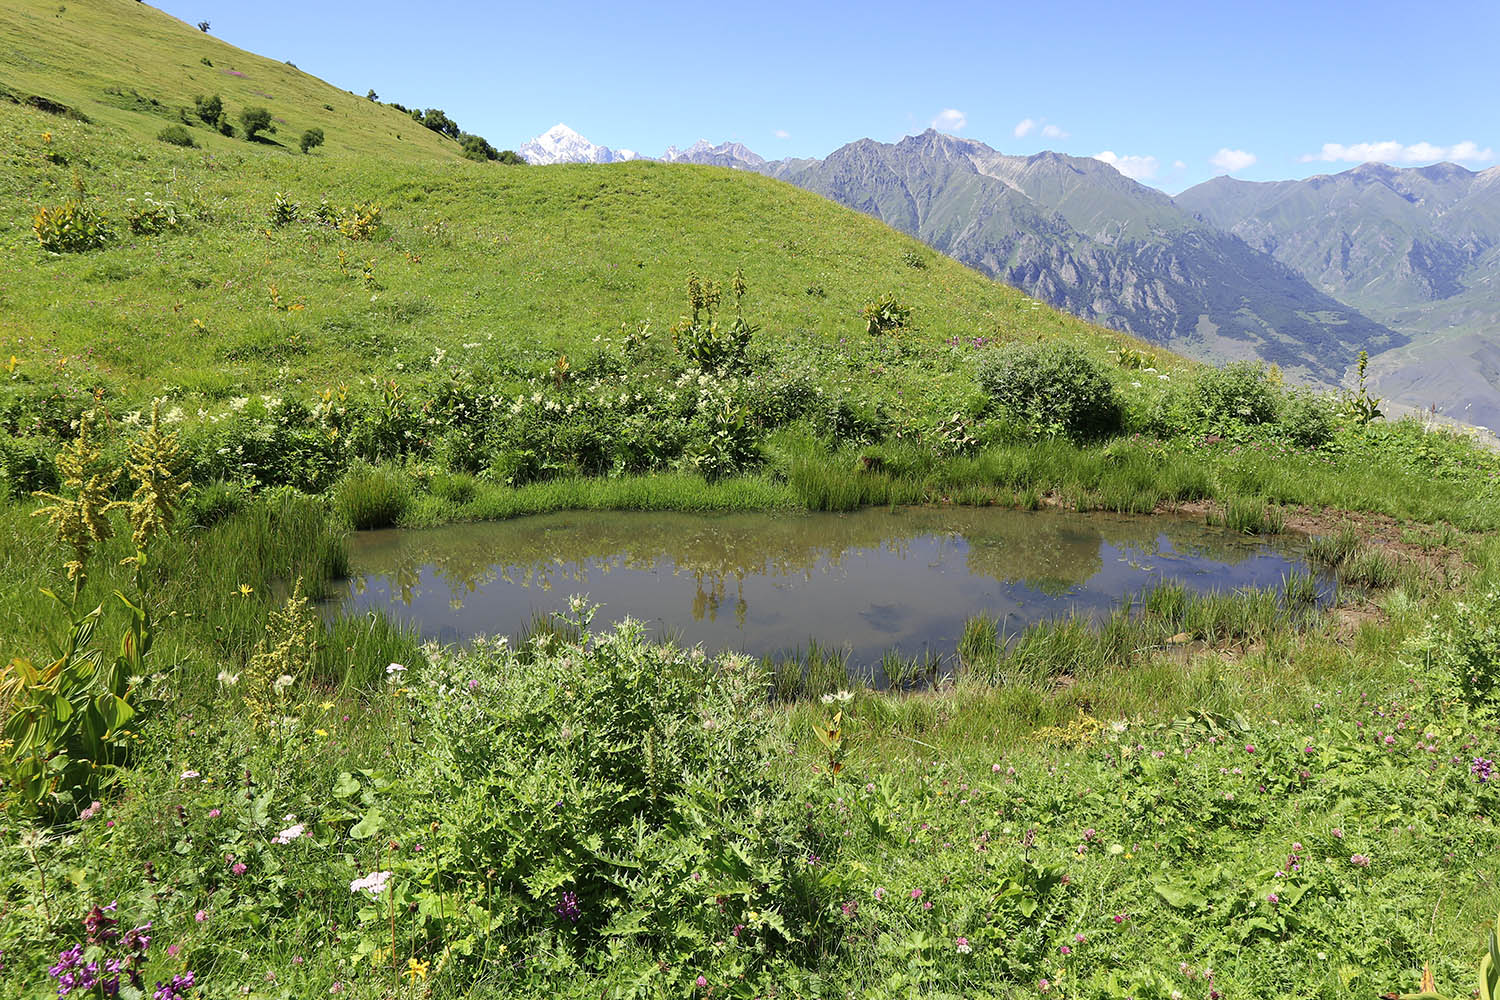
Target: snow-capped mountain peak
560, 144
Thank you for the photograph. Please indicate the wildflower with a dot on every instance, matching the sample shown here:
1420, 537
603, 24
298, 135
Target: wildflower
90, 811
1043, 985
238, 868
995, 768
1482, 768
415, 970
373, 883
1359, 860
1273, 899
325, 705
226, 679
189, 774
701, 981
1064, 950
290, 834
567, 907
214, 814
916, 894
879, 892
962, 946
1338, 833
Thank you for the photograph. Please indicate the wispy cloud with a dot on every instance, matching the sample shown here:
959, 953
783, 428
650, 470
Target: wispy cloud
1395, 152
1137, 168
950, 120
1179, 165
1026, 126
782, 133
1232, 160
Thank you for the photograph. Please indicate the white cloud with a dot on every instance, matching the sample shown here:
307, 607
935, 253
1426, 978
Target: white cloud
1026, 126
1391, 151
1179, 165
950, 120
1231, 160
1137, 168
782, 133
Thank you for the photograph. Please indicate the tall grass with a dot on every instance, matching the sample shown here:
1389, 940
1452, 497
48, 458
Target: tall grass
373, 496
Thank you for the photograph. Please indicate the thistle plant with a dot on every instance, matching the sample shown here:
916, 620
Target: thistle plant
80, 515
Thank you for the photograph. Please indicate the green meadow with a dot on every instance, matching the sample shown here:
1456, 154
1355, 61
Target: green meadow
222, 359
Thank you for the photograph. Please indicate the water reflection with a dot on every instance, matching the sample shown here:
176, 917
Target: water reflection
766, 583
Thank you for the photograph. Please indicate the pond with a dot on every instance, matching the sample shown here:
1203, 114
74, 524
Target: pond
765, 584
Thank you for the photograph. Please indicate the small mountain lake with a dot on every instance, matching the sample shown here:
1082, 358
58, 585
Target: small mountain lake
871, 581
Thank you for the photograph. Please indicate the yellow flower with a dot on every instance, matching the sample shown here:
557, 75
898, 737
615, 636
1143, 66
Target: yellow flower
47, 137
325, 705
415, 970
13, 364
246, 590
320, 732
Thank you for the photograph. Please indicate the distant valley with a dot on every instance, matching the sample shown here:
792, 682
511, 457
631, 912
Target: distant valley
1401, 262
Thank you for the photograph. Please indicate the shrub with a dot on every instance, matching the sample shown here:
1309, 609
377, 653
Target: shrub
373, 496
28, 464
256, 121
71, 227
311, 139
913, 259
510, 158
283, 211
1054, 387
701, 340
623, 786
477, 147
176, 135
1307, 420
358, 222
886, 314
210, 109
148, 216
1239, 393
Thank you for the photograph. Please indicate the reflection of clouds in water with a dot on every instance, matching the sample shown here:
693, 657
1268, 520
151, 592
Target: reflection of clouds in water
870, 580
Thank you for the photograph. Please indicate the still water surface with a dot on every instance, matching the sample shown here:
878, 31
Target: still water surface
767, 583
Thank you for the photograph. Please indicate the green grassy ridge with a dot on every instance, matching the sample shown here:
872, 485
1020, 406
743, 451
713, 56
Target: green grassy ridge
477, 261
73, 54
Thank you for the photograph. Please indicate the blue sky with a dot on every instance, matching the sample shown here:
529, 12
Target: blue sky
1174, 92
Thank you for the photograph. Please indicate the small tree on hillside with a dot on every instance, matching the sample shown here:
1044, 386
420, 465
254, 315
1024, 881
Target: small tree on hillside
255, 121
372, 96
203, 26
311, 138
511, 158
210, 109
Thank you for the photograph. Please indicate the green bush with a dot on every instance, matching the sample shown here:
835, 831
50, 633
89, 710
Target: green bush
177, 135
148, 216
256, 121
1055, 387
602, 788
311, 139
1239, 393
71, 227
1307, 420
886, 314
372, 496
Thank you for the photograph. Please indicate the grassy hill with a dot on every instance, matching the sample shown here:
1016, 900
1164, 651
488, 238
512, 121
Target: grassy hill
501, 259
304, 805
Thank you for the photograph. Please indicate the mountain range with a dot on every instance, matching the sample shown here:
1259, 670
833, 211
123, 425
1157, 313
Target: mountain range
1401, 262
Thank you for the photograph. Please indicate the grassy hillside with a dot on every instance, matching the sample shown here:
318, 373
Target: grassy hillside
1240, 795
131, 69
500, 259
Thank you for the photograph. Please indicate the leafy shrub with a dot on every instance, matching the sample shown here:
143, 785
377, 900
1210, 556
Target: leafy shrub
312, 138
373, 496
28, 464
1239, 393
1359, 406
510, 158
284, 211
255, 121
1307, 420
477, 147
701, 340
71, 227
886, 314
601, 789
210, 109
723, 441
1054, 387
1459, 653
913, 259
359, 221
148, 216
176, 135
